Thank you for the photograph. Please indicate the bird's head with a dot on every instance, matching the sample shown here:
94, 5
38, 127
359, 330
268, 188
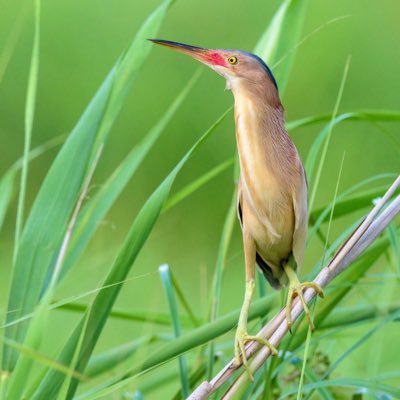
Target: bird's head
234, 65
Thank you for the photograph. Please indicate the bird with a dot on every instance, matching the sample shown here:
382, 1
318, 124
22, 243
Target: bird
272, 192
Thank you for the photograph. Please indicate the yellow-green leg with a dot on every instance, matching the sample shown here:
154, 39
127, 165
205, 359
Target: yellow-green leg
242, 336
296, 288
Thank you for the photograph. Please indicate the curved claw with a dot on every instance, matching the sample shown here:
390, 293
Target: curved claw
242, 337
296, 288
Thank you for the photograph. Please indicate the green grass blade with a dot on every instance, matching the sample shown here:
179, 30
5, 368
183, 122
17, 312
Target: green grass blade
361, 115
197, 184
131, 63
169, 291
42, 359
106, 361
28, 125
375, 387
21, 372
6, 193
3, 384
11, 41
195, 378
322, 138
147, 316
46, 225
299, 394
346, 205
38, 323
355, 315
278, 43
50, 212
391, 137
219, 269
98, 206
335, 246
309, 166
63, 390
312, 377
163, 378
7, 181
69, 304
395, 245
332, 211
103, 302
185, 304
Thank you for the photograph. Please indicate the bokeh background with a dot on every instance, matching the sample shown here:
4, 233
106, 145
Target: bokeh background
80, 41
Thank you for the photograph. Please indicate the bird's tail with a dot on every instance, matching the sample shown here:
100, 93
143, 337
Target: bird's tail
267, 271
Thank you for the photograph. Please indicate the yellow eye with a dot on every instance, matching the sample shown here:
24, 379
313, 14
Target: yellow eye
232, 60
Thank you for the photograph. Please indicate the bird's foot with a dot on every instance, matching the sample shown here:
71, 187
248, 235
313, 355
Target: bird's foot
296, 288
241, 338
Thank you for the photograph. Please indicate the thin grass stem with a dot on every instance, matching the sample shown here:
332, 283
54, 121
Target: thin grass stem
327, 140
28, 123
166, 280
217, 281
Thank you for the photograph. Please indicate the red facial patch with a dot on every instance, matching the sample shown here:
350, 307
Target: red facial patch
215, 58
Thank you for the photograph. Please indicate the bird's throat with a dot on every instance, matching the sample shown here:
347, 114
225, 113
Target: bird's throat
256, 131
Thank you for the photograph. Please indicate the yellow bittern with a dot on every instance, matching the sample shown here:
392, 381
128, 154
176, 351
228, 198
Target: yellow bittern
272, 189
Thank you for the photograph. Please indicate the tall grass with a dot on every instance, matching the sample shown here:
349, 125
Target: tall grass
62, 221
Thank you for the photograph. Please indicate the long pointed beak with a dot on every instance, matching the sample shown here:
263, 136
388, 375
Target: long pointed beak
180, 47
206, 56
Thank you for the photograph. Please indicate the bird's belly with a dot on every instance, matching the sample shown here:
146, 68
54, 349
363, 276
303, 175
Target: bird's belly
269, 218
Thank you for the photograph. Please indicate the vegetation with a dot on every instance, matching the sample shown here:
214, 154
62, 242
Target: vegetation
122, 269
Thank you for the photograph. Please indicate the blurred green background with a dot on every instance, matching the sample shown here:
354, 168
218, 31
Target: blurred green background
80, 41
